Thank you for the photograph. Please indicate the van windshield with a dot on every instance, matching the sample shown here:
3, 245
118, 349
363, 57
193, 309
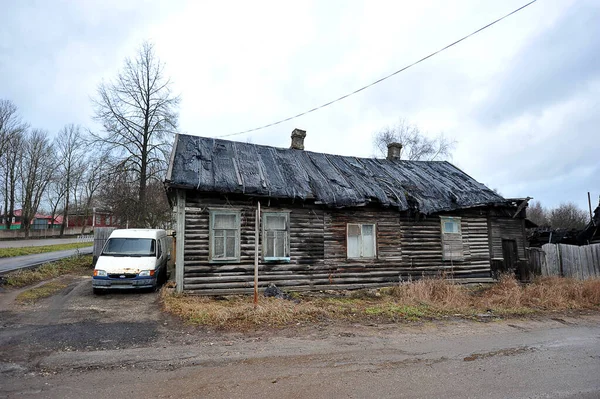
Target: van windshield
130, 247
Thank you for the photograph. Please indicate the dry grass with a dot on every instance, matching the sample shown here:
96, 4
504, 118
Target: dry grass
33, 295
423, 299
237, 311
20, 251
73, 265
437, 292
548, 293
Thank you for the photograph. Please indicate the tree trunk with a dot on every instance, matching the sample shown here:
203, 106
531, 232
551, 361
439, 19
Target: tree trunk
67, 195
141, 214
6, 194
85, 216
13, 188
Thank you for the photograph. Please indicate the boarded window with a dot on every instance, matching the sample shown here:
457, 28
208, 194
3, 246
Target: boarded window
452, 244
276, 236
360, 241
224, 235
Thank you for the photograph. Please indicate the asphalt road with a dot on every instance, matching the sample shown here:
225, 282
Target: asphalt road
21, 262
77, 345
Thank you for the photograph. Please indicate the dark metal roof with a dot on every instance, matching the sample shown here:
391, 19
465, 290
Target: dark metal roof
221, 166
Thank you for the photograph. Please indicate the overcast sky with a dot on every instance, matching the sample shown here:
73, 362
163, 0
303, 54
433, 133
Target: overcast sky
522, 98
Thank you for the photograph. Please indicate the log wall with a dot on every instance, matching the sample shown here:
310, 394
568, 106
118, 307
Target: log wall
405, 247
507, 228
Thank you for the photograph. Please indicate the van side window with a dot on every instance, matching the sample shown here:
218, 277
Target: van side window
159, 251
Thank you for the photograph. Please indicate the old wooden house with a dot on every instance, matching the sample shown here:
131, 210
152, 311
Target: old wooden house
329, 221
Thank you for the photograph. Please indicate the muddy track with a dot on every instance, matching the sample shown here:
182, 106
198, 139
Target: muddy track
69, 344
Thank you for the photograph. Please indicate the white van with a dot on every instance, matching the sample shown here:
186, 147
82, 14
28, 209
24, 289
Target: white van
132, 258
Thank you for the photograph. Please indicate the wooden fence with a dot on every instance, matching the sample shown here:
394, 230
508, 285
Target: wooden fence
46, 233
566, 260
101, 234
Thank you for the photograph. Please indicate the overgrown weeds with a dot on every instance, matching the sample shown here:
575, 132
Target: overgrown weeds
72, 265
547, 293
20, 251
426, 299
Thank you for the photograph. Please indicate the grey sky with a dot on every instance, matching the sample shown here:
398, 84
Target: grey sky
521, 98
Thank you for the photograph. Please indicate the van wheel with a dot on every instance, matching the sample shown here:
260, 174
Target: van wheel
98, 291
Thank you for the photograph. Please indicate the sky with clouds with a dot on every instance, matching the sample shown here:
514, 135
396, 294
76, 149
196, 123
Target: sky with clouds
521, 99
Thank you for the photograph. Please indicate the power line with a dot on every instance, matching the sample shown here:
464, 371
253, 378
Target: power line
383, 78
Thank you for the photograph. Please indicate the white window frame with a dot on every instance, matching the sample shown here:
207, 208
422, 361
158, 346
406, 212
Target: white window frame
286, 257
374, 225
449, 219
212, 241
452, 236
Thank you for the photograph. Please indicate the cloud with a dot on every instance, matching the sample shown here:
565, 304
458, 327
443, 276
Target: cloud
521, 98
555, 65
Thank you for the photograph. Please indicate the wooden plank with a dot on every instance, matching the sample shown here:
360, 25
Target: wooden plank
180, 240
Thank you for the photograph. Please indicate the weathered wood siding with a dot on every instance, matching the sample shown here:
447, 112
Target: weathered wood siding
507, 228
405, 247
571, 261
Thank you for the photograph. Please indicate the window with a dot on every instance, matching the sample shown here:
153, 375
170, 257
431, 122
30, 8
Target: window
224, 236
130, 247
452, 245
361, 241
276, 236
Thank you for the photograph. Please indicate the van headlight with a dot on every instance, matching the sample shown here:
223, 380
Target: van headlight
99, 273
146, 273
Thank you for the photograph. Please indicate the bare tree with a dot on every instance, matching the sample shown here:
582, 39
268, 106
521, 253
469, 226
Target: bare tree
12, 129
159, 211
36, 168
120, 195
416, 146
139, 114
10, 123
55, 193
95, 175
568, 216
10, 175
538, 214
70, 149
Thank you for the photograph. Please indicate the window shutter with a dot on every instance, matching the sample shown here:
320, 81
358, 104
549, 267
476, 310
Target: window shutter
368, 241
353, 241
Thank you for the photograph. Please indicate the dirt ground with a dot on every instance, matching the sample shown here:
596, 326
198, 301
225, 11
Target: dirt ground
78, 345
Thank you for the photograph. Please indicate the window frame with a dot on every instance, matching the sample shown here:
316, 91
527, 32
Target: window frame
361, 257
264, 216
211, 246
448, 237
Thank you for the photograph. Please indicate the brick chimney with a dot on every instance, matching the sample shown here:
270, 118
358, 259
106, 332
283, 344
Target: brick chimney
298, 139
394, 150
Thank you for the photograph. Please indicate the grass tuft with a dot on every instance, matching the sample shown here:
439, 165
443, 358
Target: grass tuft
33, 295
73, 265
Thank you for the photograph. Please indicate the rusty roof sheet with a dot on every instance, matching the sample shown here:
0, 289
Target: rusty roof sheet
222, 166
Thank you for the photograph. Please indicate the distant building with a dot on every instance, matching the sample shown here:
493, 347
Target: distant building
39, 222
95, 218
